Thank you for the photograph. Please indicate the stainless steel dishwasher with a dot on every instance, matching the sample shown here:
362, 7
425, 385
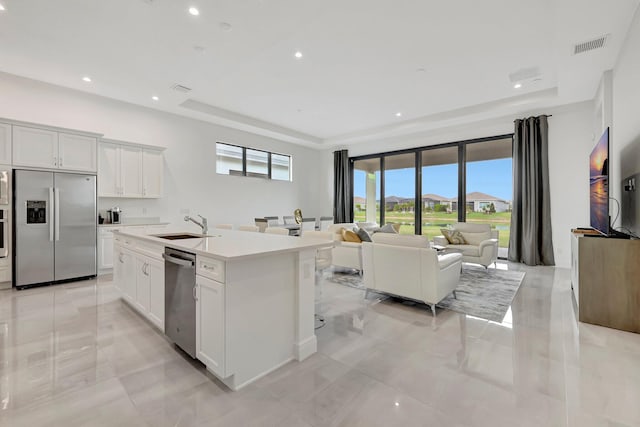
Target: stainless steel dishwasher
180, 299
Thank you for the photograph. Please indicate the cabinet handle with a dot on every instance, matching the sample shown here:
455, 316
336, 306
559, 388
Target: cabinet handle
206, 267
146, 269
195, 293
60, 161
120, 258
55, 161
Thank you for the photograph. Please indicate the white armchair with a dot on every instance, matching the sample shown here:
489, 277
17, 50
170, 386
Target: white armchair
405, 265
482, 243
345, 254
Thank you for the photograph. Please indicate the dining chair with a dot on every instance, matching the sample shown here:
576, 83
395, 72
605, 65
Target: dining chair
272, 221
248, 228
307, 224
277, 230
262, 224
325, 222
224, 226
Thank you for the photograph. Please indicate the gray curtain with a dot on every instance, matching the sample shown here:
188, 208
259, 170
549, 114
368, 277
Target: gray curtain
530, 239
342, 201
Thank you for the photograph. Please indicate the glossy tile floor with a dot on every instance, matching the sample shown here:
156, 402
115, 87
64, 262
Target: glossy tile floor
74, 355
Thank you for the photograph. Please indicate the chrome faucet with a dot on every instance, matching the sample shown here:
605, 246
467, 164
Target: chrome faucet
202, 225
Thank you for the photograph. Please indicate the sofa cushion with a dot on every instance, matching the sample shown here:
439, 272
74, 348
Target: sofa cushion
401, 240
350, 236
466, 250
362, 234
475, 238
454, 237
446, 260
369, 226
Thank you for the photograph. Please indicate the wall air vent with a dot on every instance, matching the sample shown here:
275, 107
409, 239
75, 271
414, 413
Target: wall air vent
598, 43
181, 88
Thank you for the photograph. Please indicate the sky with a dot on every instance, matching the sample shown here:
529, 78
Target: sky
493, 177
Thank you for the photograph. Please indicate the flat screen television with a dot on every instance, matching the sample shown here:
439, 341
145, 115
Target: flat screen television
599, 185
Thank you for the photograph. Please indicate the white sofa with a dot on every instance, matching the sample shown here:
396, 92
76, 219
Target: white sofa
406, 266
483, 243
345, 254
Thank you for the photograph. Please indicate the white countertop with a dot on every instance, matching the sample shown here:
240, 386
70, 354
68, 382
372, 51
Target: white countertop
230, 244
133, 224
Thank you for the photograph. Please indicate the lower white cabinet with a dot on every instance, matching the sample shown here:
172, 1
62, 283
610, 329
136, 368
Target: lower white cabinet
105, 241
210, 325
140, 280
156, 292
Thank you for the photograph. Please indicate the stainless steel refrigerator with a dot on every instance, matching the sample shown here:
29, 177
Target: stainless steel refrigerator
54, 227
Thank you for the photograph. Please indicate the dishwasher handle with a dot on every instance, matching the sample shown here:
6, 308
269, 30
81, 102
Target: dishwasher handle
179, 261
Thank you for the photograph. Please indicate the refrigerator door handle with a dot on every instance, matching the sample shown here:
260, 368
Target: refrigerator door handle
57, 212
50, 214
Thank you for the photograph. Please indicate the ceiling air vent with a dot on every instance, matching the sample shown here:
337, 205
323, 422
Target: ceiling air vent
598, 43
181, 89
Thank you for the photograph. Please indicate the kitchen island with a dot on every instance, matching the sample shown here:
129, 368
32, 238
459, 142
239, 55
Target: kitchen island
254, 296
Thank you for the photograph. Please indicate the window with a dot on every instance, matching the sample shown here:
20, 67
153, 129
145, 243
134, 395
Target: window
428, 188
242, 161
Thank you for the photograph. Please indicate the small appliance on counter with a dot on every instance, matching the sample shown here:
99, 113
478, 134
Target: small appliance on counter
114, 215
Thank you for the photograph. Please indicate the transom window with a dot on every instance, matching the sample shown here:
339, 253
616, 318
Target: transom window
243, 161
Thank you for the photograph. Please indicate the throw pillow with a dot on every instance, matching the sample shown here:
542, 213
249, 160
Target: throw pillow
476, 238
363, 235
388, 228
454, 237
350, 236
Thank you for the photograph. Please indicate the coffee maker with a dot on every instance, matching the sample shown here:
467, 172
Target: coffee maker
114, 215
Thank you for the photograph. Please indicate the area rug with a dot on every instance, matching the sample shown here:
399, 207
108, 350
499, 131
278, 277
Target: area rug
486, 294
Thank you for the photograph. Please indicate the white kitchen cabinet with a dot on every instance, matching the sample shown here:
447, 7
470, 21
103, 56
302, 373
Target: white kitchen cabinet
128, 275
109, 170
35, 147
152, 173
210, 325
77, 152
5, 143
156, 292
44, 148
130, 171
126, 170
105, 250
142, 283
118, 268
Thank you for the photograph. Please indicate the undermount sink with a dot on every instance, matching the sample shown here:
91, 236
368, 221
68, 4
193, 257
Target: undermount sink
179, 236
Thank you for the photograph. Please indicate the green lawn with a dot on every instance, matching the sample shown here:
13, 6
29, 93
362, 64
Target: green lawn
432, 222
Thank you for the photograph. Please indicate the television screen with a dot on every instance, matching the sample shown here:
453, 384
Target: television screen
599, 182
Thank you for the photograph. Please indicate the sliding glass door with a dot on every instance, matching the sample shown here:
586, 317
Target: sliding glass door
400, 191
366, 190
439, 193
489, 187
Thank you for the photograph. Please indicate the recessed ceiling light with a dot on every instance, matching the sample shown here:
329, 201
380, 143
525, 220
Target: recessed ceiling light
1, 8
155, 98
194, 11
87, 79
517, 85
225, 26
298, 54
398, 114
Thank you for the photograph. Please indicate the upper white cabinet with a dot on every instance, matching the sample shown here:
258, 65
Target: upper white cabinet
5, 143
126, 170
77, 152
44, 148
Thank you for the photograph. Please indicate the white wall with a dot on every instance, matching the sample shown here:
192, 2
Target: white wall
571, 139
190, 178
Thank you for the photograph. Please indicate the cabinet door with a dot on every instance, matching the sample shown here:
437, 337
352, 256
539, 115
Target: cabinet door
35, 147
5, 143
108, 170
118, 268
156, 292
142, 283
76, 152
129, 276
210, 325
130, 171
152, 173
105, 250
